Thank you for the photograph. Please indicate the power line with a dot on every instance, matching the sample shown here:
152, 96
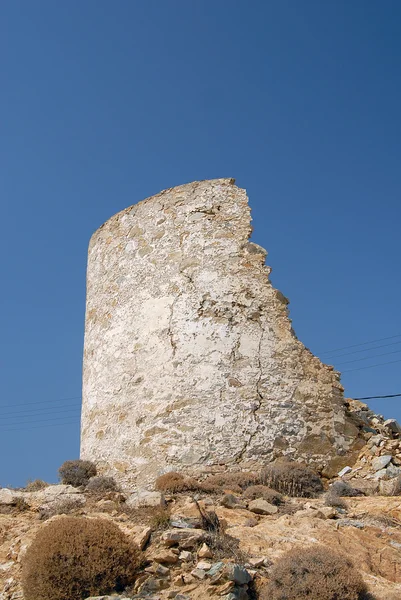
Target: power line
371, 366
368, 357
38, 410
367, 349
41, 402
29, 422
41, 426
50, 414
374, 397
391, 337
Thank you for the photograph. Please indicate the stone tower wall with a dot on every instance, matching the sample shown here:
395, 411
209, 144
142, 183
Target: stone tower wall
190, 361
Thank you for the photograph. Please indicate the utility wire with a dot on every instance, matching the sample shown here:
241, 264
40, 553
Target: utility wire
391, 337
41, 402
371, 366
41, 426
34, 411
368, 357
44, 421
367, 349
18, 418
374, 397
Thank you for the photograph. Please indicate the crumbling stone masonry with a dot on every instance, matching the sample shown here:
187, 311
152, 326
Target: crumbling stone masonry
190, 360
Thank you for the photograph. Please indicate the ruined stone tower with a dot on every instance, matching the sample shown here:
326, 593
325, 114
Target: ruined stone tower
190, 360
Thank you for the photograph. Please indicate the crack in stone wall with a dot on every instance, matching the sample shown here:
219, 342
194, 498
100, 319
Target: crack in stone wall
190, 360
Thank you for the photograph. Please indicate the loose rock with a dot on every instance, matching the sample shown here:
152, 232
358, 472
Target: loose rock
261, 507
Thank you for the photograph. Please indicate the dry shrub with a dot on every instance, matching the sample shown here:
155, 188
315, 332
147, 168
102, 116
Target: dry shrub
209, 519
331, 499
234, 482
290, 509
77, 472
262, 491
19, 505
99, 484
74, 558
343, 488
36, 485
155, 517
380, 520
62, 506
176, 482
314, 573
159, 519
293, 479
225, 546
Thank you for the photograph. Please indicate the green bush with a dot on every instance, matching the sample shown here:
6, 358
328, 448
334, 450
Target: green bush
293, 479
73, 558
314, 573
77, 472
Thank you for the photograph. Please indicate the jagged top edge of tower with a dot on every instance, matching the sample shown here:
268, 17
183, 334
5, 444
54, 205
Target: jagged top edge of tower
229, 181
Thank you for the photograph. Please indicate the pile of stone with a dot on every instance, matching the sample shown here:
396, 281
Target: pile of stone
379, 462
177, 563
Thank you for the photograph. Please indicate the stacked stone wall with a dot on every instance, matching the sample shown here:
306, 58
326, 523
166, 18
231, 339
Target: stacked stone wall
190, 360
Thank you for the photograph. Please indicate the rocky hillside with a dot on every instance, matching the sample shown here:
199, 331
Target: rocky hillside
232, 556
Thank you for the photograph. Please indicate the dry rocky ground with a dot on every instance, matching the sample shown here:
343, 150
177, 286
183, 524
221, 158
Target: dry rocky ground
184, 561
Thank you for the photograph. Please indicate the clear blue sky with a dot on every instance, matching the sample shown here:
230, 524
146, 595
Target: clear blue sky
105, 103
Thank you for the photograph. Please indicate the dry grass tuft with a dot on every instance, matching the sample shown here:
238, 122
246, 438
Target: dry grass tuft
233, 482
314, 573
19, 505
157, 518
293, 479
63, 506
225, 546
100, 485
36, 485
176, 482
74, 558
262, 491
332, 499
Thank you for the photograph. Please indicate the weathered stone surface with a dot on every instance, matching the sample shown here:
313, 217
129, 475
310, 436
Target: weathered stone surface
165, 556
344, 471
386, 488
230, 501
144, 498
186, 538
238, 574
392, 425
204, 565
368, 486
205, 552
190, 359
262, 507
380, 462
141, 536
8, 496
393, 471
